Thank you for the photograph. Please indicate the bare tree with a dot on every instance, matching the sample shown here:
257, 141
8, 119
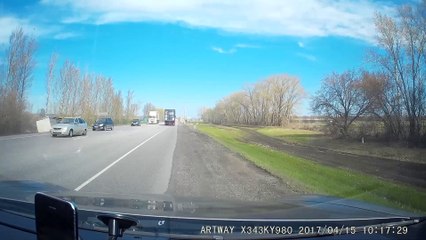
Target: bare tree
134, 109
402, 59
385, 103
205, 114
234, 110
96, 93
148, 107
341, 99
117, 107
69, 88
50, 78
129, 102
15, 80
86, 105
104, 94
268, 102
286, 93
21, 62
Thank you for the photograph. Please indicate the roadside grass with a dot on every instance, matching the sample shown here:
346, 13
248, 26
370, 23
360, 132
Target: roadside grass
369, 148
290, 135
320, 179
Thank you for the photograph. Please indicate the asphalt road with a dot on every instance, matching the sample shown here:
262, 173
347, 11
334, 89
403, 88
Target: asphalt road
151, 159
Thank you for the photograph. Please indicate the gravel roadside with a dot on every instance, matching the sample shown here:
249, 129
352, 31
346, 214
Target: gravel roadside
204, 168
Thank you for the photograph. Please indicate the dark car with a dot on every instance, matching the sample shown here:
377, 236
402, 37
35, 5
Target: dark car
103, 124
136, 122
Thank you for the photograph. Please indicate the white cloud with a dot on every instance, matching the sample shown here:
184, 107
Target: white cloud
223, 51
65, 35
234, 48
75, 19
243, 45
271, 17
8, 24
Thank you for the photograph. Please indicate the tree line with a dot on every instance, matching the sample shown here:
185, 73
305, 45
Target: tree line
69, 91
268, 102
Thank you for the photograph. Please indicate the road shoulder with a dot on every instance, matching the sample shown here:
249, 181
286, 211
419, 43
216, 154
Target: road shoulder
204, 168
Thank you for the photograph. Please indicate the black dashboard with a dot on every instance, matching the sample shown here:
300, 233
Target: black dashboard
13, 226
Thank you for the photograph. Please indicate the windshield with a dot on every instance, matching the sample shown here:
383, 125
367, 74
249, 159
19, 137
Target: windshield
67, 120
250, 108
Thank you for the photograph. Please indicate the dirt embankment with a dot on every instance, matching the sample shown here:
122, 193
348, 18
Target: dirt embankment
398, 171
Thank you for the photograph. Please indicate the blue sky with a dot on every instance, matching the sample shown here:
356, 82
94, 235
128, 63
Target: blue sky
189, 54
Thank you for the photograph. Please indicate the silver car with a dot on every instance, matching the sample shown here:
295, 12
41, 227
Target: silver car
69, 126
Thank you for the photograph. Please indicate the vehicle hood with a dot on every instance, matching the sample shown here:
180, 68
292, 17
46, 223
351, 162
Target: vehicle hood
61, 125
292, 207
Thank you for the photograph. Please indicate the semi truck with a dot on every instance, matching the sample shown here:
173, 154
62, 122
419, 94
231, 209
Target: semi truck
169, 117
153, 117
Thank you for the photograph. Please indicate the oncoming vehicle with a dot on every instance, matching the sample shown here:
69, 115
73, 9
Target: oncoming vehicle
153, 117
69, 126
135, 122
103, 124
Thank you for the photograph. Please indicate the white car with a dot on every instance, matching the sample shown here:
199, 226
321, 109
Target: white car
69, 126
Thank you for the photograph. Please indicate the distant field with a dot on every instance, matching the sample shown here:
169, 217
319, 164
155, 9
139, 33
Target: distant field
369, 148
290, 135
317, 178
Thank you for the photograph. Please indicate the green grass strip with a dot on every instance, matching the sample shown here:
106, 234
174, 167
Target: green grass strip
291, 135
318, 178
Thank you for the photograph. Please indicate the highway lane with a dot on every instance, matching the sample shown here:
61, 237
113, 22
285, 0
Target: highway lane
146, 169
71, 162
150, 159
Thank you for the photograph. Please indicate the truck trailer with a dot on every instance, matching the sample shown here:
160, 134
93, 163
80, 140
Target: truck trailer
169, 117
153, 117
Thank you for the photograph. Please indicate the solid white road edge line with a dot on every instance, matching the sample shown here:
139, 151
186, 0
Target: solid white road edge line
113, 163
